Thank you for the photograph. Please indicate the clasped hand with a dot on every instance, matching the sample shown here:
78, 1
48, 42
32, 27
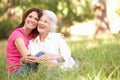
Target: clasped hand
29, 59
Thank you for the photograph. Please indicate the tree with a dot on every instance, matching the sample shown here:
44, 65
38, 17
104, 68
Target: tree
67, 11
100, 17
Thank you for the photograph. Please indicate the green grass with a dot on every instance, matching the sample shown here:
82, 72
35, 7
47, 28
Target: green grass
99, 60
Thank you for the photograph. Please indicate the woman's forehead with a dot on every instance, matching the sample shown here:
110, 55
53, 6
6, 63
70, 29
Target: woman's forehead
45, 17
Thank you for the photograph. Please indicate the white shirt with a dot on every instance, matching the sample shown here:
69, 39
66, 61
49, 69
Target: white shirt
53, 44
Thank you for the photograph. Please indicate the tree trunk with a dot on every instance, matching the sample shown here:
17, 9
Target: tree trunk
8, 9
100, 17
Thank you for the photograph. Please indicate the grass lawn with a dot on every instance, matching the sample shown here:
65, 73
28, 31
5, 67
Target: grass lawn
99, 60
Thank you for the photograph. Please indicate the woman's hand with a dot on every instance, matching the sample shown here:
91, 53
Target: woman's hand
47, 60
49, 56
30, 59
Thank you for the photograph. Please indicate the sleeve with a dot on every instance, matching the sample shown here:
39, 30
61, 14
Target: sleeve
66, 54
64, 50
17, 34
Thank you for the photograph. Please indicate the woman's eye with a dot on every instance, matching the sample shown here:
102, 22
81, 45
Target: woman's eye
40, 20
36, 19
46, 21
30, 16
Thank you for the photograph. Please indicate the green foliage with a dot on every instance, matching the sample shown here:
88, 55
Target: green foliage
6, 26
2, 67
99, 60
118, 11
67, 11
118, 7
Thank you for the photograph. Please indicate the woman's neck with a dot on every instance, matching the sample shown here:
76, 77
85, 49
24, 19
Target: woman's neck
43, 36
27, 31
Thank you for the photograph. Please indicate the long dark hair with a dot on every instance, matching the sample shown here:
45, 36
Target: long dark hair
34, 31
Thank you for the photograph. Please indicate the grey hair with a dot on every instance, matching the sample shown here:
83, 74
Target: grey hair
53, 19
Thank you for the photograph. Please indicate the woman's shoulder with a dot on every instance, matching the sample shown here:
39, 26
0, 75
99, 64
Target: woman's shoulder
17, 30
17, 33
54, 35
34, 40
57, 36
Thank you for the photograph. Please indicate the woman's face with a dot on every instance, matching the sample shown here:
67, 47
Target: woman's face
44, 25
31, 20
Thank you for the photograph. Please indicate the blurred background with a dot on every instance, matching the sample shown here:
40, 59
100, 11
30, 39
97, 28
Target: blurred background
75, 17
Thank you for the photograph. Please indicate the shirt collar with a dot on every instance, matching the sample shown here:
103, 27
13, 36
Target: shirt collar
37, 39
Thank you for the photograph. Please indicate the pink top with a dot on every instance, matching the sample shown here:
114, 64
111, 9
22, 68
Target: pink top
12, 54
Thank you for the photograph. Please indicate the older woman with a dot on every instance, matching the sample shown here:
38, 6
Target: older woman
52, 45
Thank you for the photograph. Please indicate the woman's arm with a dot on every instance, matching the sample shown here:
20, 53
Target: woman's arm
26, 56
64, 49
49, 56
19, 42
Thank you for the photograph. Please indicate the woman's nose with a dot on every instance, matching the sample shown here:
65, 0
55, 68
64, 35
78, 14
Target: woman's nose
33, 20
40, 22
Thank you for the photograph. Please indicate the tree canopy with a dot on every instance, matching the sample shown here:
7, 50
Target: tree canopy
67, 11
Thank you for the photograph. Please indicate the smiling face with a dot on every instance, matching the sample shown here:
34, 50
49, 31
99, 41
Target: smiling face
44, 25
31, 20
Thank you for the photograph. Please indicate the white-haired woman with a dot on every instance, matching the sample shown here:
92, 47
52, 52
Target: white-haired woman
53, 47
